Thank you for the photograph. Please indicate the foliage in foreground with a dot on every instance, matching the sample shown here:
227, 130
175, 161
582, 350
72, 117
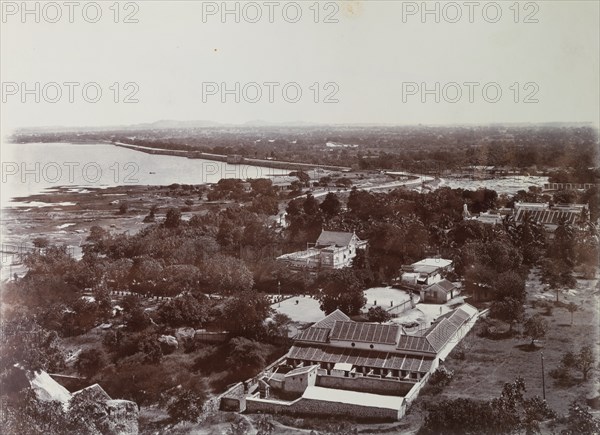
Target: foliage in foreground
509, 413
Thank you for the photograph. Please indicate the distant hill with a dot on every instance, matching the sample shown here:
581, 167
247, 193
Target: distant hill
168, 124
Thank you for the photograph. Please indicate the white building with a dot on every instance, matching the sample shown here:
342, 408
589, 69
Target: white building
425, 272
332, 250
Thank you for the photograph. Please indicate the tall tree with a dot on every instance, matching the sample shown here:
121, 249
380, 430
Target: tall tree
535, 328
342, 290
331, 205
244, 314
173, 218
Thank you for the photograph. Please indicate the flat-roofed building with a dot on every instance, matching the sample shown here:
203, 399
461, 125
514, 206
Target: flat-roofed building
425, 272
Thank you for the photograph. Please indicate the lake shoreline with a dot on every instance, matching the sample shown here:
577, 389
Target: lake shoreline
68, 214
276, 164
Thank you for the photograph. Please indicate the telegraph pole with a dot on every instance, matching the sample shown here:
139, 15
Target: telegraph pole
543, 377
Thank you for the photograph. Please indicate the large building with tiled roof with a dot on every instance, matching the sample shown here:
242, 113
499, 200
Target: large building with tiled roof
337, 357
329, 320
550, 216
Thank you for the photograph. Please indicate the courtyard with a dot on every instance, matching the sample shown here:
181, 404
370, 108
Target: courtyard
385, 297
301, 309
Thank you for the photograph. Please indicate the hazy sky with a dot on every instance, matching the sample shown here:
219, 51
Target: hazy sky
374, 61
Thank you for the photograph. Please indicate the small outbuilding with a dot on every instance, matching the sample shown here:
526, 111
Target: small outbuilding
439, 292
299, 379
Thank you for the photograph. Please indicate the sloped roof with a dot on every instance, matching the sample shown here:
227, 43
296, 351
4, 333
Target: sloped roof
432, 341
330, 319
460, 315
337, 238
443, 285
361, 357
314, 334
440, 333
365, 332
447, 325
47, 389
414, 343
548, 217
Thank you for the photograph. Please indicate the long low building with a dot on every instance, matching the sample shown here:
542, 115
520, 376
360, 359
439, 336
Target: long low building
327, 402
369, 370
550, 216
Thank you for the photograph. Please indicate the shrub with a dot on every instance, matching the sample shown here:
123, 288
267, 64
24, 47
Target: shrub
378, 314
459, 352
185, 402
442, 377
184, 310
245, 354
562, 375
439, 379
89, 362
581, 421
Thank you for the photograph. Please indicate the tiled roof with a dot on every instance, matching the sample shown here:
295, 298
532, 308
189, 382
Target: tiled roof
439, 335
548, 216
460, 315
365, 332
447, 325
443, 285
311, 344
447, 285
315, 335
337, 238
415, 344
329, 320
361, 358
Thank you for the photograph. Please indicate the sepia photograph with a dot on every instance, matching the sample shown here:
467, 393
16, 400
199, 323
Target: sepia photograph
311, 217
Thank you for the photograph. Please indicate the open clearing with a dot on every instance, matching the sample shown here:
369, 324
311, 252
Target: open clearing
385, 297
302, 309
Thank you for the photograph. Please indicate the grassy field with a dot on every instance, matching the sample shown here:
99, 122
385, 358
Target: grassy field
489, 363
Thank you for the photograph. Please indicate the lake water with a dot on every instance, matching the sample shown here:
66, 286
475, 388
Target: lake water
32, 168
